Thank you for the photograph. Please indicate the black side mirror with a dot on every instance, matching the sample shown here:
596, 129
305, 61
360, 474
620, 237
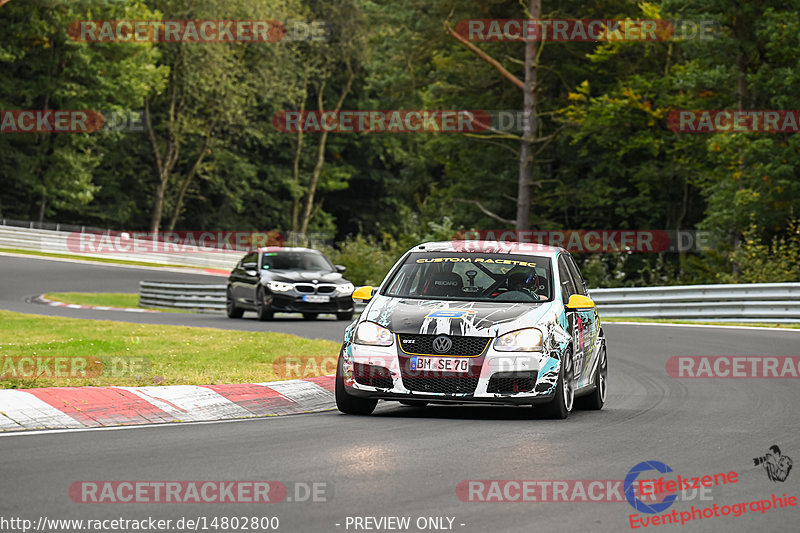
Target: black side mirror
340, 268
249, 266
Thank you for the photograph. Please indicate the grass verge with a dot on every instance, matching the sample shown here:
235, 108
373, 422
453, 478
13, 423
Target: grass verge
146, 354
705, 323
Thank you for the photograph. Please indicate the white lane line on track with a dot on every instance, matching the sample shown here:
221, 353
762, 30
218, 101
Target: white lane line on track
754, 328
23, 410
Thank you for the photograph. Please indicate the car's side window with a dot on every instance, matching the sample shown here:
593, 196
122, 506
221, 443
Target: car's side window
565, 277
576, 275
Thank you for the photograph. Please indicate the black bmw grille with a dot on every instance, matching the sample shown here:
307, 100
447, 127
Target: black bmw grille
373, 376
511, 382
423, 344
445, 384
307, 288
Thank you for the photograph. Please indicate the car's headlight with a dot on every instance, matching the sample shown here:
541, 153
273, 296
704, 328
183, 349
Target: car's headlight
345, 289
279, 286
522, 340
373, 334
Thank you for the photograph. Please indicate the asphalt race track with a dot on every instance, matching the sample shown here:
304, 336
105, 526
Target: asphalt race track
407, 461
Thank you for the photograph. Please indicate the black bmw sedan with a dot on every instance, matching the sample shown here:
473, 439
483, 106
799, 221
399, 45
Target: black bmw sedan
288, 280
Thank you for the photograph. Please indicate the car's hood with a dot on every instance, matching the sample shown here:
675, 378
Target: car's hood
481, 319
299, 276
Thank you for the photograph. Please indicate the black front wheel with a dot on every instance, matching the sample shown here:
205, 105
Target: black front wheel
263, 310
230, 305
344, 316
347, 404
597, 399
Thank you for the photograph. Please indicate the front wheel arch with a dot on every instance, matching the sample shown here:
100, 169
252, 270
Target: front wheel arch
564, 396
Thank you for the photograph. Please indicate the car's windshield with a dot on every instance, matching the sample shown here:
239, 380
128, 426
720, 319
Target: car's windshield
295, 261
473, 276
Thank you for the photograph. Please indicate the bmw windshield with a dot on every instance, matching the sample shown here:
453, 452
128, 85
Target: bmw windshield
476, 277
295, 261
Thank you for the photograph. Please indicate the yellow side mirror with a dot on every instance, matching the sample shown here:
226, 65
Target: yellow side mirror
363, 293
578, 301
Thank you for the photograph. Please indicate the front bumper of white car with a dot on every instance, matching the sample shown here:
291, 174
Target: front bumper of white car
473, 371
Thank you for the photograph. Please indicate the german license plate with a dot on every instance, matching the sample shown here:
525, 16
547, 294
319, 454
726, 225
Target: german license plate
440, 364
316, 299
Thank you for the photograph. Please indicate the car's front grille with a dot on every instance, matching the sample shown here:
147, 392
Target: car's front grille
511, 382
462, 346
446, 384
372, 376
307, 288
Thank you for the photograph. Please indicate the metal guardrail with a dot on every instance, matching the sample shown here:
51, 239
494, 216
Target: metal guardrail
53, 226
204, 297
182, 295
757, 302
746, 302
53, 241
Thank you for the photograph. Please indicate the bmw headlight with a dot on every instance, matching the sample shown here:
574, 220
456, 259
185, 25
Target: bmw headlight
522, 340
279, 286
345, 289
373, 334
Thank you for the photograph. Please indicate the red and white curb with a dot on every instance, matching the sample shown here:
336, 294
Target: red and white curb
92, 407
42, 300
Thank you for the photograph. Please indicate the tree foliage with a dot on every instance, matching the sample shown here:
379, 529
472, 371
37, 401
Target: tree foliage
212, 159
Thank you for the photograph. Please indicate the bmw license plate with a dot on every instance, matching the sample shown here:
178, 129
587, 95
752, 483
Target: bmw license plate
316, 299
440, 364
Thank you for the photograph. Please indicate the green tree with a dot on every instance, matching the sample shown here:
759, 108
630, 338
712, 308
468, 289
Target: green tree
46, 70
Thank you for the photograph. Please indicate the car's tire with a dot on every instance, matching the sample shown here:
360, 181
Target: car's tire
564, 398
230, 305
263, 311
414, 403
344, 316
347, 404
310, 316
596, 400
